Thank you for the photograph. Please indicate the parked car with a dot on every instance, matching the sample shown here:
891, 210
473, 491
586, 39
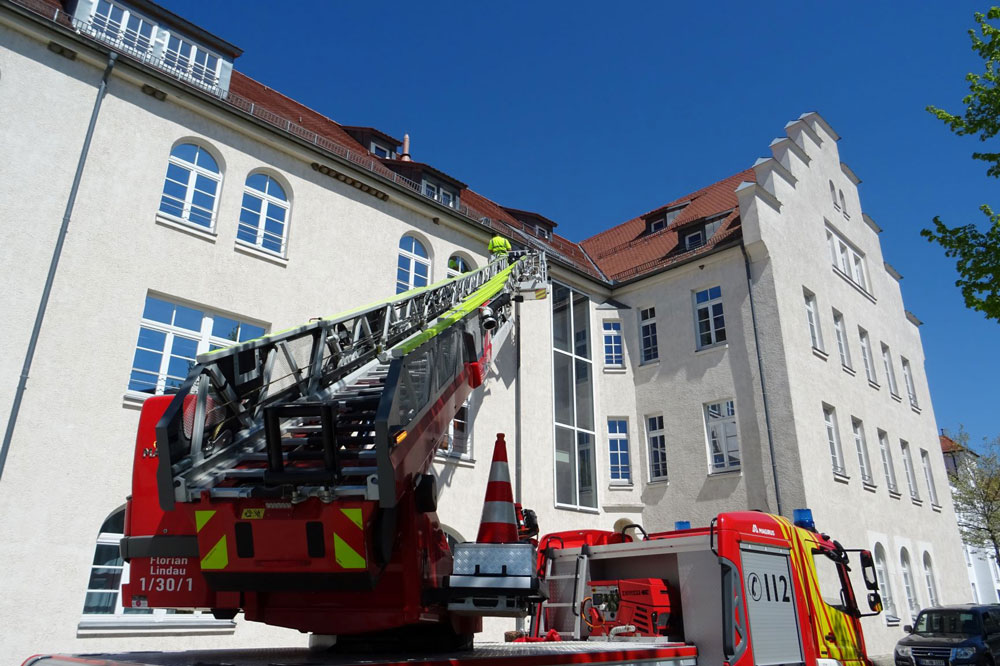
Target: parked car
966, 634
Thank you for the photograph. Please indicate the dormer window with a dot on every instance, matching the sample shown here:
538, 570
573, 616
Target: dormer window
161, 44
440, 193
543, 232
698, 235
382, 151
660, 223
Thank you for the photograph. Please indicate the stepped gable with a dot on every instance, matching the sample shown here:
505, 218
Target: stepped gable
628, 250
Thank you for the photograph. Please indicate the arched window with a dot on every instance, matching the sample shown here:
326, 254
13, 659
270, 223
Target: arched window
264, 216
106, 571
932, 596
190, 190
414, 267
911, 591
843, 204
457, 265
103, 608
833, 195
882, 575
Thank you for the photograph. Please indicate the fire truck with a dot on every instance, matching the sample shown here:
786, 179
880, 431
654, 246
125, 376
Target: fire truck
289, 479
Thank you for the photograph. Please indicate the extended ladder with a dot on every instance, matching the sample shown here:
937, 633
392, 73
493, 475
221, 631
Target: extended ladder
294, 414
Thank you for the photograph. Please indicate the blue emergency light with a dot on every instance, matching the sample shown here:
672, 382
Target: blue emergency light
682, 525
804, 518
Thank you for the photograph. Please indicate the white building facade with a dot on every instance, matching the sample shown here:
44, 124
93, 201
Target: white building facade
743, 347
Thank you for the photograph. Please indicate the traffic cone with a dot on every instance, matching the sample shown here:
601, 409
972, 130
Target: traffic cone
499, 523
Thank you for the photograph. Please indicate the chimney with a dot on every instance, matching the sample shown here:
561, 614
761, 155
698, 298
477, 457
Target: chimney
406, 148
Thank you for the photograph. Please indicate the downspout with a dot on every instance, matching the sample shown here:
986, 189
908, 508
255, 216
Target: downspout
763, 384
519, 625
54, 264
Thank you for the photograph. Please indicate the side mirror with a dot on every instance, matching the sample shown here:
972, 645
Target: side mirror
875, 602
868, 570
908, 628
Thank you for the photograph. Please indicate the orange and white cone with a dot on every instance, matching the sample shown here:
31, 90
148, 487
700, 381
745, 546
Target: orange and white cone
499, 523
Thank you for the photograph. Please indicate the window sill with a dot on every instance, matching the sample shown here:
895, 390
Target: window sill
184, 226
253, 251
614, 369
124, 626
875, 385
914, 408
848, 369
659, 481
895, 396
892, 623
841, 477
819, 353
134, 400
917, 501
457, 461
894, 494
581, 509
724, 472
846, 278
936, 507
710, 348
655, 361
621, 486
869, 486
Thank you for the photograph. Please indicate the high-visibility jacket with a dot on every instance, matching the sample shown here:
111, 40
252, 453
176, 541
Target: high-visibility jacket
499, 246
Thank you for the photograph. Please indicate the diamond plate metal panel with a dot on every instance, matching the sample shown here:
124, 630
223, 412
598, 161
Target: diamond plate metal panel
491, 558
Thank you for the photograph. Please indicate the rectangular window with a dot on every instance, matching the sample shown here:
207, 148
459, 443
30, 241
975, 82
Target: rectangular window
171, 336
887, 466
908, 380
619, 462
862, 448
573, 398
192, 62
911, 478
458, 441
647, 335
845, 351
833, 439
929, 476
723, 440
889, 372
847, 260
657, 225
866, 355
613, 353
812, 319
430, 190
657, 448
694, 240
709, 317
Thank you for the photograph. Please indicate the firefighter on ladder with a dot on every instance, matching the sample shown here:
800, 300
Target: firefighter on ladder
499, 247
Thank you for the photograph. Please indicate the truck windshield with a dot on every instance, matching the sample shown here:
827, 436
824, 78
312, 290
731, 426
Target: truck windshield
962, 623
830, 586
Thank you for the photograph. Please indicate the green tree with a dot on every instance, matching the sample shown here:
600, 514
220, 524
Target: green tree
976, 493
977, 252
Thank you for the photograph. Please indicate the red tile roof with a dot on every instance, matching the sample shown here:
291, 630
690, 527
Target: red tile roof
627, 251
624, 252
948, 445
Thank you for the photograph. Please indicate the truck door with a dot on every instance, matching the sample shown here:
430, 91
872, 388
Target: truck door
837, 629
771, 609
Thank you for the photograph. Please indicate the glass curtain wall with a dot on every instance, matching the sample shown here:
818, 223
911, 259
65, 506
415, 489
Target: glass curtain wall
573, 397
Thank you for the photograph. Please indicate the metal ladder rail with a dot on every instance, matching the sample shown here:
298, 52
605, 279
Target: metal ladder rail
242, 376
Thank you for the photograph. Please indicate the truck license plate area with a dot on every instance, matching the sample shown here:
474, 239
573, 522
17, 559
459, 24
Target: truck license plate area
931, 662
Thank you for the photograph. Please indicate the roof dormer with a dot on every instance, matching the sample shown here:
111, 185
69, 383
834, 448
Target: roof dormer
432, 183
377, 142
159, 38
536, 224
661, 218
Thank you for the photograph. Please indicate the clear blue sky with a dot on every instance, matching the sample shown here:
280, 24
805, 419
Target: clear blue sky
592, 113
